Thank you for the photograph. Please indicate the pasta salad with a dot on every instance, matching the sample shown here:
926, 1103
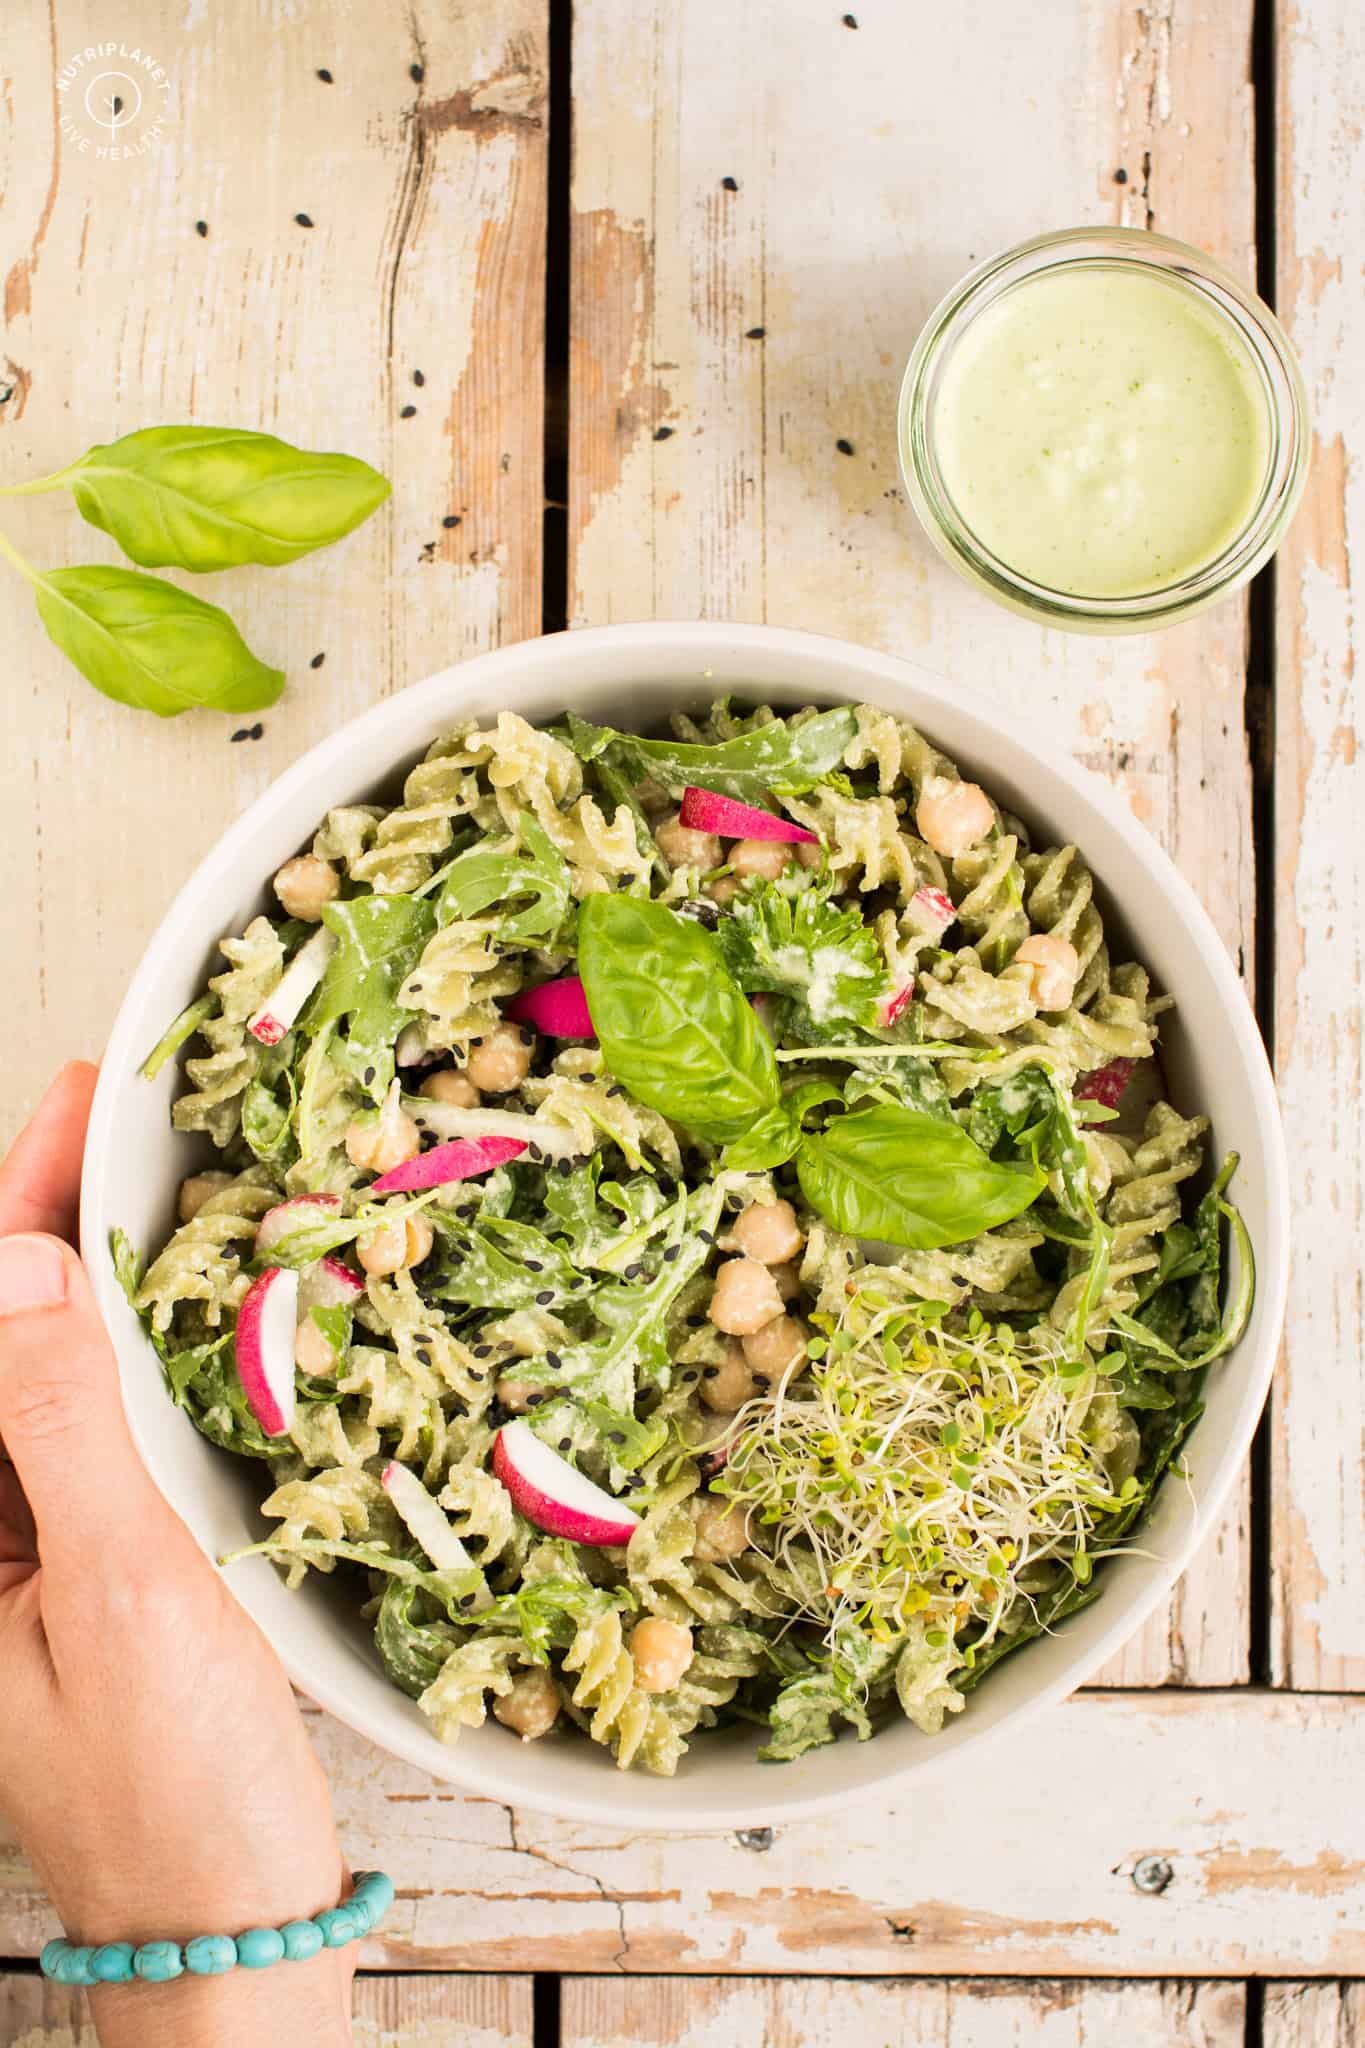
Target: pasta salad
696, 1233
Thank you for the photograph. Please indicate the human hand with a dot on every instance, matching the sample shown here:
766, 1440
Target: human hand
152, 1757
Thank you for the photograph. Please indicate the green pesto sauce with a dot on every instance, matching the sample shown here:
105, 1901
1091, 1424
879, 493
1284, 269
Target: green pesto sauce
1102, 432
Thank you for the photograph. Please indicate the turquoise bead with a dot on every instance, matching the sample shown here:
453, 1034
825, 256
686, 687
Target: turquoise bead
74, 1966
259, 1947
377, 1888
157, 1962
113, 1964
358, 1906
337, 1927
52, 1955
210, 1955
302, 1940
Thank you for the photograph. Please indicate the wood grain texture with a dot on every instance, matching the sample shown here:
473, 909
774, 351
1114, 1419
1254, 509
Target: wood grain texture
1318, 1475
663, 2012
390, 2012
1023, 1867
1313, 2016
425, 255
736, 353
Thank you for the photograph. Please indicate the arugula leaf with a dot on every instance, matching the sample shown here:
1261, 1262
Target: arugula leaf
777, 759
496, 1263
128, 1264
910, 1179
673, 1025
204, 498
528, 868
806, 947
412, 1651
380, 939
175, 1035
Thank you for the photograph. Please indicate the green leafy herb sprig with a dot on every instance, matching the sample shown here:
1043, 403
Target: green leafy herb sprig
196, 498
675, 1027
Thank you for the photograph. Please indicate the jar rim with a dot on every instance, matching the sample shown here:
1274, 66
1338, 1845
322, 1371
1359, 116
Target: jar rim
1177, 263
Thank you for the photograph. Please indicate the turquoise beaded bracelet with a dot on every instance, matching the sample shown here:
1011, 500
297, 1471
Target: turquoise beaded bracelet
212, 1955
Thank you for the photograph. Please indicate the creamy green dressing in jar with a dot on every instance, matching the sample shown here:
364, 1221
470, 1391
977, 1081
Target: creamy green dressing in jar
1104, 429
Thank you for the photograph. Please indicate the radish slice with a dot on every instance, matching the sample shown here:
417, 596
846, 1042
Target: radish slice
1106, 1084
293, 988
894, 1004
558, 1008
461, 1159
554, 1495
292, 1215
932, 912
266, 1326
424, 1520
705, 812
548, 1141
329, 1284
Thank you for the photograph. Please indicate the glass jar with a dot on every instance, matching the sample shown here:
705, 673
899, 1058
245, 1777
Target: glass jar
1218, 303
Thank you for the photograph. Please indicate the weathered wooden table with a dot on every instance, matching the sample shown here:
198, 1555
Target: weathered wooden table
619, 295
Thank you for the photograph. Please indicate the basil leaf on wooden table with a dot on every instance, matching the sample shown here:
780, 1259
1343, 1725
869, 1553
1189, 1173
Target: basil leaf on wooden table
143, 642
206, 498
910, 1179
673, 1025
776, 759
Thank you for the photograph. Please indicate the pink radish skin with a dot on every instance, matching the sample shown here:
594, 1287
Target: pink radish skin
289, 1216
703, 811
559, 1009
1106, 1084
932, 912
279, 1012
329, 1284
267, 1324
461, 1159
896, 1003
424, 1521
554, 1495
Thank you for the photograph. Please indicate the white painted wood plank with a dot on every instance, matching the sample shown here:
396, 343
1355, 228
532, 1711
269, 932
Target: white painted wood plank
725, 343
426, 255
1313, 2016
1025, 1866
664, 2012
1318, 1476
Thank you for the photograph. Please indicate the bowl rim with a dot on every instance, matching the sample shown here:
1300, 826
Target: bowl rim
688, 641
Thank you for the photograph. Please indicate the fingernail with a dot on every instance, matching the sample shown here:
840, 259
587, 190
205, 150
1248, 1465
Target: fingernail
32, 1274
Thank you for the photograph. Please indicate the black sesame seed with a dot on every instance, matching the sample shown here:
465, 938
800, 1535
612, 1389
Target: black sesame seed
850, 21
424, 1355
483, 1350
844, 447
253, 732
368, 1076
325, 76
710, 1372
418, 379
535, 1265
663, 433
634, 1270
416, 72
407, 412
477, 1375
755, 334
466, 1601
554, 1361
545, 1297
451, 519
616, 1089
1120, 176
240, 734
317, 661
201, 227
426, 1139
616, 1436
730, 184
467, 1211
690, 1378
303, 220
761, 1379
707, 1236
566, 1443
535, 1155
415, 987
671, 1254
565, 1168
695, 1322
534, 1400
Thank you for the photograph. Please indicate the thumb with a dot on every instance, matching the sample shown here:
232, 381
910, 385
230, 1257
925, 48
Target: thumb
61, 1414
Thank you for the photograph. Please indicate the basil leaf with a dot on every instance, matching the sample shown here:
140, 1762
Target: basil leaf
673, 1024
774, 1138
778, 759
910, 1179
205, 498
143, 642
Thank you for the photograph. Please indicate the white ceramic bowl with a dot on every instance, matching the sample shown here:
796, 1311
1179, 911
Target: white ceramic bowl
634, 675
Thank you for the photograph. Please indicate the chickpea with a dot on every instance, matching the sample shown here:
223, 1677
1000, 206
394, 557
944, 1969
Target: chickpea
405, 1242
724, 889
729, 1384
312, 1352
305, 884
809, 852
745, 1297
722, 1530
662, 1653
502, 1060
952, 816
517, 1396
1055, 966
767, 857
377, 1147
449, 1086
788, 1279
198, 1189
768, 1232
682, 847
778, 1347
531, 1708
